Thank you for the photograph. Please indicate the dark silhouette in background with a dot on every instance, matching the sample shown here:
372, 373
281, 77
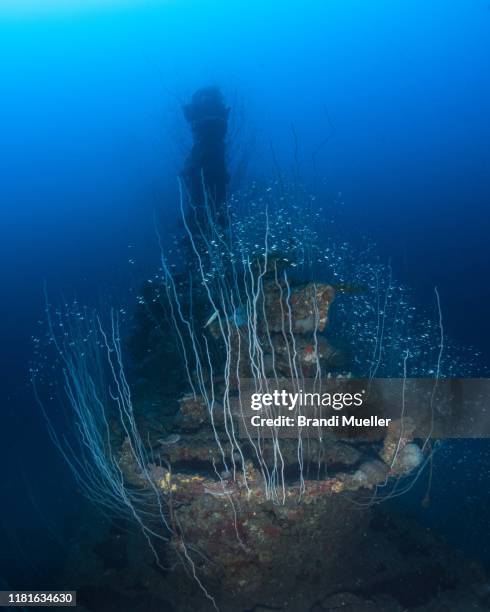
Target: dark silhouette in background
205, 174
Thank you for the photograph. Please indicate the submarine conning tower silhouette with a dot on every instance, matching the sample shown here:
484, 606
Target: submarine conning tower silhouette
205, 174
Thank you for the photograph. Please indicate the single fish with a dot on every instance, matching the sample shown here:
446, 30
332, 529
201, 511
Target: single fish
171, 439
348, 288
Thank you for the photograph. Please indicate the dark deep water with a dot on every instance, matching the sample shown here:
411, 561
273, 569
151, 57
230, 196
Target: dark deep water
388, 106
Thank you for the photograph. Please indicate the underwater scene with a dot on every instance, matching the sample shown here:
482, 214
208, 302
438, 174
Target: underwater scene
244, 317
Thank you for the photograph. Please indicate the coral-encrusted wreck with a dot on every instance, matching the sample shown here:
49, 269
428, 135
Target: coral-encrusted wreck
256, 536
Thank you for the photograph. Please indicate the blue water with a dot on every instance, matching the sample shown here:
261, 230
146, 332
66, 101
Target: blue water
388, 104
